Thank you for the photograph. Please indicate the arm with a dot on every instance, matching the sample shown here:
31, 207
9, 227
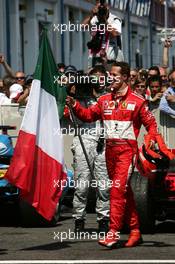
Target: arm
164, 106
114, 27
90, 114
7, 68
148, 120
93, 12
167, 45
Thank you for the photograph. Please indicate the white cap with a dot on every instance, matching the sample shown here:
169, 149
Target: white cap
15, 89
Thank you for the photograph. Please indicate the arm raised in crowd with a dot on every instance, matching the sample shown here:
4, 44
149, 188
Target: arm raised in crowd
165, 58
7, 68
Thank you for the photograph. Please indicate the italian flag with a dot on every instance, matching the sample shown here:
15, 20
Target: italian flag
37, 167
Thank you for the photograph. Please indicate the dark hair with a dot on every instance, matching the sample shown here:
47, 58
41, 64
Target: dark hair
134, 69
171, 71
143, 74
155, 68
61, 65
98, 68
125, 68
139, 81
155, 78
8, 80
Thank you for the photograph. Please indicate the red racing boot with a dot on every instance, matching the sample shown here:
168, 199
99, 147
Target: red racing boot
135, 238
110, 239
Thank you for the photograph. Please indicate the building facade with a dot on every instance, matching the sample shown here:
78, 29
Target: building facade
21, 23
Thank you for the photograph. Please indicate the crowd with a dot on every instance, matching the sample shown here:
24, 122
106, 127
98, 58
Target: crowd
14, 87
132, 99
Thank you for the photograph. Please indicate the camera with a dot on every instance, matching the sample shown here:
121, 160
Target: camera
84, 85
102, 11
95, 43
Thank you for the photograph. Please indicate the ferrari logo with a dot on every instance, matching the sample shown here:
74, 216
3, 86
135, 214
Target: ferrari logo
124, 105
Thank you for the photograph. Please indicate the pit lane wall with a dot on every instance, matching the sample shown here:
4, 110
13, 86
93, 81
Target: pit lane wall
166, 126
12, 115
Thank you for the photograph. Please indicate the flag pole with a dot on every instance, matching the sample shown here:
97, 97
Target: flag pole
75, 124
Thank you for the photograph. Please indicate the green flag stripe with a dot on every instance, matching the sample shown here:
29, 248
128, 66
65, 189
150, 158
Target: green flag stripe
46, 72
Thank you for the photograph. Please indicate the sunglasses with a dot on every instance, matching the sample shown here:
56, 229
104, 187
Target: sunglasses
133, 75
20, 78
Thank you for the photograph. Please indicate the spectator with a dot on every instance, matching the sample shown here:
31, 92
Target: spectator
167, 46
153, 71
7, 82
133, 77
15, 92
22, 100
106, 44
140, 87
61, 68
163, 75
143, 74
7, 68
20, 78
3, 98
155, 85
167, 103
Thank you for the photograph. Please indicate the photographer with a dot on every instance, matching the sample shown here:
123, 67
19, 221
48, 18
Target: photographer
87, 93
105, 44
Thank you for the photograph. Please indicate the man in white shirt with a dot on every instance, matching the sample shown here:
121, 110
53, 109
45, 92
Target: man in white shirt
105, 45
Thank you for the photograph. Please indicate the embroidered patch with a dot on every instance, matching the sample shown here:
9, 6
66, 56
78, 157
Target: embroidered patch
111, 105
124, 105
107, 112
131, 107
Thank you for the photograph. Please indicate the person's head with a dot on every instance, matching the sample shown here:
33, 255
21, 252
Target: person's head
133, 76
163, 75
120, 72
103, 11
7, 82
143, 74
153, 71
140, 87
61, 67
20, 78
155, 84
15, 90
171, 77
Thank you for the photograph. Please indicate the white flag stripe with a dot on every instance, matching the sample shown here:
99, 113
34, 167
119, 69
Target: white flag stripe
41, 119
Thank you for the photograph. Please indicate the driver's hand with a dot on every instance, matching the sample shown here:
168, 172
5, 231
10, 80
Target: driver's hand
70, 101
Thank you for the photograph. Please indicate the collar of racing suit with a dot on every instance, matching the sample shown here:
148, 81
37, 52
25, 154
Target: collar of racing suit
123, 93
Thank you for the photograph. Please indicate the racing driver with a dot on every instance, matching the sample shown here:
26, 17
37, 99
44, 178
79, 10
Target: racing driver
123, 112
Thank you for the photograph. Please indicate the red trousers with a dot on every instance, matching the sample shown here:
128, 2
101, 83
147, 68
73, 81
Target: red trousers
119, 160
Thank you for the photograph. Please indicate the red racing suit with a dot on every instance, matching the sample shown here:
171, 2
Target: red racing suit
122, 118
